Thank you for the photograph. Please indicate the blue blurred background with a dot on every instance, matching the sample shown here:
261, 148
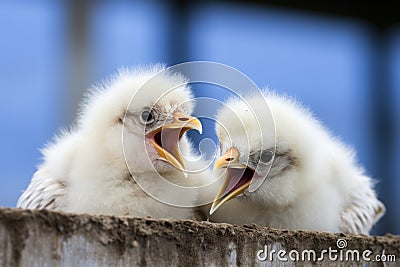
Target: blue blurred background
344, 66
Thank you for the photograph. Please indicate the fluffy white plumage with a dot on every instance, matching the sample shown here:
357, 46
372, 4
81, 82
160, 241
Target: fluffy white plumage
85, 170
315, 182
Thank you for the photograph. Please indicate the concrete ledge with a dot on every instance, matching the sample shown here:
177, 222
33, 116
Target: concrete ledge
44, 238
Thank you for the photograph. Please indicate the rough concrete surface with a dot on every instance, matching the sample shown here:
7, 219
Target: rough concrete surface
45, 238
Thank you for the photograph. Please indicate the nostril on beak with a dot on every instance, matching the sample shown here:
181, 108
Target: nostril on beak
183, 119
228, 159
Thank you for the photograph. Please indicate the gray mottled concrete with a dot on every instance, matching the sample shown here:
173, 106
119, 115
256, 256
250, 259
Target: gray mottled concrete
44, 238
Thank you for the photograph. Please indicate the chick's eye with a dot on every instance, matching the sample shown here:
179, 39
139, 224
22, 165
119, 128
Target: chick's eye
266, 156
147, 117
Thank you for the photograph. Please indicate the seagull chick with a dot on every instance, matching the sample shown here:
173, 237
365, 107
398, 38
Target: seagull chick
314, 181
132, 126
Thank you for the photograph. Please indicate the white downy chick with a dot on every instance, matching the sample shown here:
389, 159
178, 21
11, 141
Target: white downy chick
314, 181
89, 169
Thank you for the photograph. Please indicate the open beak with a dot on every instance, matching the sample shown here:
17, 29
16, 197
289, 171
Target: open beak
238, 178
166, 138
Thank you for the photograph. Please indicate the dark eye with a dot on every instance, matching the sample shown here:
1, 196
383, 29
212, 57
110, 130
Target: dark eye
147, 116
266, 156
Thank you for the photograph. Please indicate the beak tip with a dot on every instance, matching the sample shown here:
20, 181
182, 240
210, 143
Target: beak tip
214, 207
198, 126
212, 211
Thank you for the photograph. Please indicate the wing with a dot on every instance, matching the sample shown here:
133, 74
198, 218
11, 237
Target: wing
43, 192
362, 212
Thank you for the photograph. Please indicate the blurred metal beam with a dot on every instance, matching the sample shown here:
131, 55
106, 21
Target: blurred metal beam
78, 14
179, 14
382, 14
383, 128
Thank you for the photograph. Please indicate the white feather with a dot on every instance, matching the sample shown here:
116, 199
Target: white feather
85, 171
323, 187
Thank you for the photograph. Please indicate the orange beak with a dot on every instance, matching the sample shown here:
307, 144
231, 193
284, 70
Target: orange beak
238, 178
165, 139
